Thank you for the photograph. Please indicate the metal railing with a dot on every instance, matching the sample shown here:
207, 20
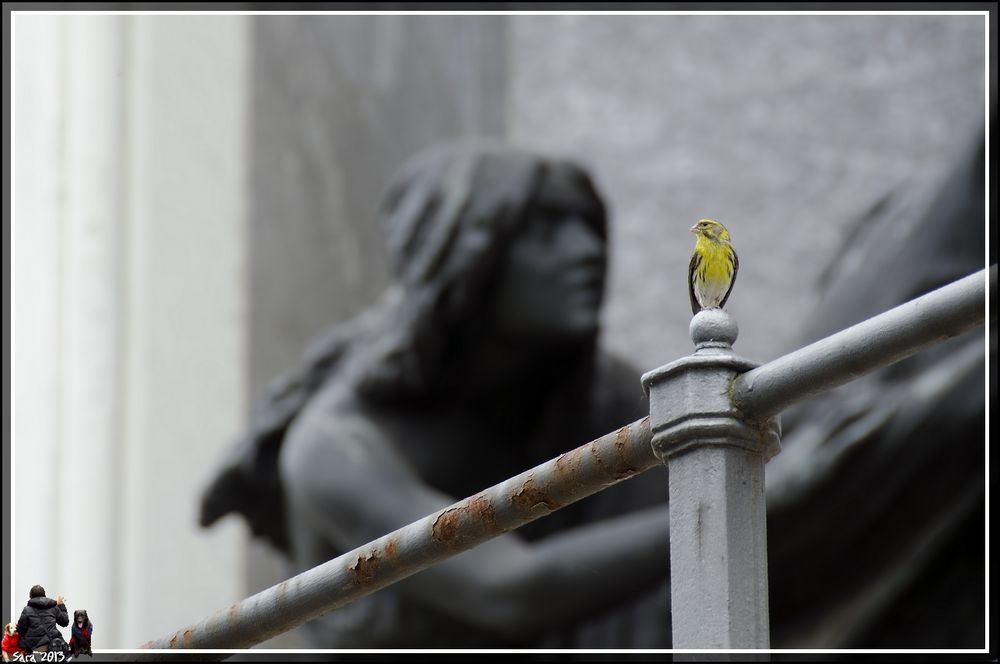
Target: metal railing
710, 421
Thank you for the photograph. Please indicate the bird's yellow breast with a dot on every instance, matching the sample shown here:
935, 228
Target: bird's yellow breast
715, 266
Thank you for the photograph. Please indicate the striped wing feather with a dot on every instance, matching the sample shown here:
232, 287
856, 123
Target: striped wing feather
692, 266
735, 260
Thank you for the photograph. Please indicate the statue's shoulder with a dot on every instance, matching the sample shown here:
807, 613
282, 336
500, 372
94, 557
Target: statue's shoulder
613, 367
616, 393
333, 417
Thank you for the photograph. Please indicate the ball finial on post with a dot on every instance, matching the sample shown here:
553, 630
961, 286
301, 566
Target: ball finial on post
713, 328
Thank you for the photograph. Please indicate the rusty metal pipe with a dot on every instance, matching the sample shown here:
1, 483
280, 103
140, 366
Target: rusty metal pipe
877, 342
466, 524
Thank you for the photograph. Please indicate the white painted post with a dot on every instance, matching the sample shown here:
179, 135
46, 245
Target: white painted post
718, 532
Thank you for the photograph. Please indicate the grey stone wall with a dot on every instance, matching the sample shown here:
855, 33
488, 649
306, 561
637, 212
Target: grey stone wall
338, 103
782, 127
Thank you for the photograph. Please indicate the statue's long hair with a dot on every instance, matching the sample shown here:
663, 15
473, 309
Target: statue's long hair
449, 214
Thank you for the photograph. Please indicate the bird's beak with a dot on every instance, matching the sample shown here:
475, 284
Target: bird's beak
694, 229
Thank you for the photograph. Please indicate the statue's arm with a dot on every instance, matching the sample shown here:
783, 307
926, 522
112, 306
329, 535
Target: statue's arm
353, 487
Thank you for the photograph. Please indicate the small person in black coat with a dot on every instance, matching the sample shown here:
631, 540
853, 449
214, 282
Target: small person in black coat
38, 622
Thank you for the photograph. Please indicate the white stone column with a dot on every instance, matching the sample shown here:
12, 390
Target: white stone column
67, 306
37, 204
186, 290
129, 355
90, 335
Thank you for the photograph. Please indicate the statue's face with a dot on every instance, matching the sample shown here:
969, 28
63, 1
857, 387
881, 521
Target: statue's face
552, 279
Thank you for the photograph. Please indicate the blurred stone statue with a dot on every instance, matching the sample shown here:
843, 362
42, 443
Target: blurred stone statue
480, 362
876, 504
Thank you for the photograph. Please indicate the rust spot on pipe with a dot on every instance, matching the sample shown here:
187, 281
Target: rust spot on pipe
478, 511
281, 595
391, 548
445, 526
567, 467
616, 469
621, 447
621, 439
187, 639
529, 496
173, 640
482, 510
364, 568
595, 454
231, 616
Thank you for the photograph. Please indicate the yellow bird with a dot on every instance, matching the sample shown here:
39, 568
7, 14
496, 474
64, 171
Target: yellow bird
713, 267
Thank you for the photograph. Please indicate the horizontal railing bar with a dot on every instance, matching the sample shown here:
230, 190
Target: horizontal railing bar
877, 342
589, 469
466, 524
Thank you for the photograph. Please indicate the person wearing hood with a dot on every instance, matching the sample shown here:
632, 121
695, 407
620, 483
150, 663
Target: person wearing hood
39, 619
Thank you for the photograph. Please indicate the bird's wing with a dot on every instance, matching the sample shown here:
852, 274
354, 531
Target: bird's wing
692, 266
735, 260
